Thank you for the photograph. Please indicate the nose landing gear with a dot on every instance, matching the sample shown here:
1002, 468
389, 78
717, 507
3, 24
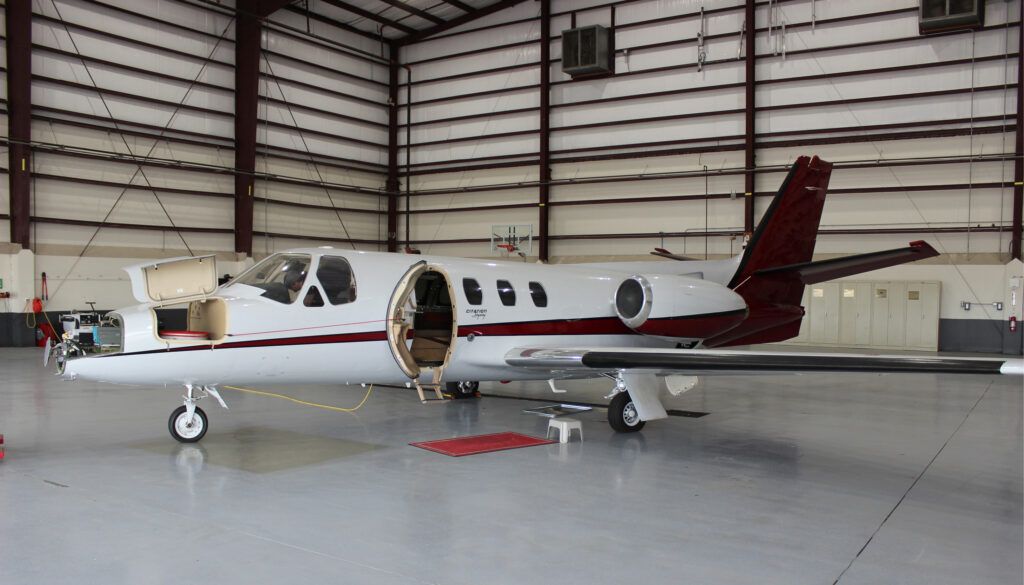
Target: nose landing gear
187, 427
188, 423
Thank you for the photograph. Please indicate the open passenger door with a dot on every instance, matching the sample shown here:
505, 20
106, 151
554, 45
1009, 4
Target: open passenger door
421, 309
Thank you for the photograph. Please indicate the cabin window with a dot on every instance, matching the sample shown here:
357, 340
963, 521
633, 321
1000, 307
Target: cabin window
540, 297
335, 275
506, 293
474, 293
313, 298
281, 276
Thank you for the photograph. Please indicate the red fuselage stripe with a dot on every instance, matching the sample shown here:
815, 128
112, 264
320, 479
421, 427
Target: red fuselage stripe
592, 326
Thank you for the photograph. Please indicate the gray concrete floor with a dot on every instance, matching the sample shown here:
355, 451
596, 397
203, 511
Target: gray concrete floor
863, 479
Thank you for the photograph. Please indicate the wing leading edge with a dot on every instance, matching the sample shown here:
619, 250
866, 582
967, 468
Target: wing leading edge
710, 361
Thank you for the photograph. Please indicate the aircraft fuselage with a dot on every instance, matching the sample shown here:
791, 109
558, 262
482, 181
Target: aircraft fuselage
262, 340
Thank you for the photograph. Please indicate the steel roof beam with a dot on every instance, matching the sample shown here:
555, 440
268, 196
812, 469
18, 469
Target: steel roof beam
370, 15
416, 11
468, 17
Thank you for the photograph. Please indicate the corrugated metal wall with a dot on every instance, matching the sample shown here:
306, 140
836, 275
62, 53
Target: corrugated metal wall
166, 74
916, 125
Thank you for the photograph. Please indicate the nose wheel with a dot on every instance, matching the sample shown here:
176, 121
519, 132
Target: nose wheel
188, 422
187, 427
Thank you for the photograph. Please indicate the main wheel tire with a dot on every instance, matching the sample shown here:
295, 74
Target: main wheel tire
622, 414
462, 389
184, 432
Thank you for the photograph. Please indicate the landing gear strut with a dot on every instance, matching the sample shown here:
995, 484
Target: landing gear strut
188, 423
634, 401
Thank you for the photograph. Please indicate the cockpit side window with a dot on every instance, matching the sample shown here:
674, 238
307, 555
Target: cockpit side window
335, 275
313, 298
281, 276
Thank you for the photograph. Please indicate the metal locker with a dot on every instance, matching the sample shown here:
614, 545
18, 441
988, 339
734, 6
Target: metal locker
824, 309
887, 308
855, 313
896, 335
922, 315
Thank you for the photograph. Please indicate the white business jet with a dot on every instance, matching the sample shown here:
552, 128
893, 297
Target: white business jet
325, 316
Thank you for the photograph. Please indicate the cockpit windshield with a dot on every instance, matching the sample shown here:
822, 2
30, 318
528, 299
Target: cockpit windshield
281, 276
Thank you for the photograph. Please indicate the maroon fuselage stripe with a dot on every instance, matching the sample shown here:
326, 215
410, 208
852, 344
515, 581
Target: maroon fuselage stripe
695, 325
688, 326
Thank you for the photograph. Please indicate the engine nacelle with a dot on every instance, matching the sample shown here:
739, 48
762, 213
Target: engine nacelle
678, 306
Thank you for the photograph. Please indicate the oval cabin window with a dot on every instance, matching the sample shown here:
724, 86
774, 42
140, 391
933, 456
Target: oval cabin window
506, 293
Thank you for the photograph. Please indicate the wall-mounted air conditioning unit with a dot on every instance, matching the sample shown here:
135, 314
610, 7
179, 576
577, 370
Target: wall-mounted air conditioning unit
587, 51
946, 15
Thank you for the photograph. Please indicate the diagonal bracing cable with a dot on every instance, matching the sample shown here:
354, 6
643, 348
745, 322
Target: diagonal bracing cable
138, 170
131, 153
312, 159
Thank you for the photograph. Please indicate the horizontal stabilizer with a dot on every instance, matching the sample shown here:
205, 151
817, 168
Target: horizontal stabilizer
666, 254
823, 270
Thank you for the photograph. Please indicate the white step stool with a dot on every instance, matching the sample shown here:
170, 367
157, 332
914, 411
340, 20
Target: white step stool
564, 426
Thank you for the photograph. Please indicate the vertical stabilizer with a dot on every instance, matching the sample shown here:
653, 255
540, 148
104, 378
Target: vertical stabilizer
789, 229
786, 236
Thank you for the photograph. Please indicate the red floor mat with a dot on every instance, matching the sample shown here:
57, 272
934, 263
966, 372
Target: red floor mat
481, 444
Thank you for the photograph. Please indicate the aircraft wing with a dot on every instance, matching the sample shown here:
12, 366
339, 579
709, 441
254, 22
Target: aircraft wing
714, 361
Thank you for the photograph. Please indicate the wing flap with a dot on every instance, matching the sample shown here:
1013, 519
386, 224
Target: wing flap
709, 361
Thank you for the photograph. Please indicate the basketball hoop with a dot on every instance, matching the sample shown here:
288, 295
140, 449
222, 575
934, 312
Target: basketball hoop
511, 239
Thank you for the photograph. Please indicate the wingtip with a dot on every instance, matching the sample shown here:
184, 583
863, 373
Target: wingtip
1012, 368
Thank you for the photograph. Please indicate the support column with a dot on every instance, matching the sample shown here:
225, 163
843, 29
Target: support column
392, 186
247, 71
19, 96
1018, 166
748, 135
545, 126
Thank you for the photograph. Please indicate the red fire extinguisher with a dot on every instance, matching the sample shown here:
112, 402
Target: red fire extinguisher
1013, 323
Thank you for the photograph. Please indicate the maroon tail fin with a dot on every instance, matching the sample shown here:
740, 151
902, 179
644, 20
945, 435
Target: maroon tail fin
777, 262
788, 230
785, 236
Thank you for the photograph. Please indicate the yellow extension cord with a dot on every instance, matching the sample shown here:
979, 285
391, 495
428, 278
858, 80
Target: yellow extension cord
30, 318
303, 402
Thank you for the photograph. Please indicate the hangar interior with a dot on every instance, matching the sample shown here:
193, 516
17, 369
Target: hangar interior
145, 129
921, 128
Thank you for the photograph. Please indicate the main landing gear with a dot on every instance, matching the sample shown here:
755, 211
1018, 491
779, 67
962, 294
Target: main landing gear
634, 401
462, 389
622, 414
188, 423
